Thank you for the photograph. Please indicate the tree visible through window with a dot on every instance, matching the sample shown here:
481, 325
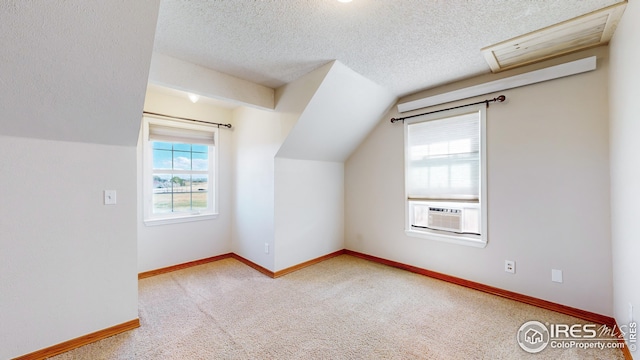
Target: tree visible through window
180, 177
179, 171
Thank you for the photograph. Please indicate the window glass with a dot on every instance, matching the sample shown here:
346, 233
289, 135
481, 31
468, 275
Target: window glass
446, 177
179, 174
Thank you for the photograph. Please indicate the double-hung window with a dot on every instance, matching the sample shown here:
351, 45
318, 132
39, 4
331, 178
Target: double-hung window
179, 171
445, 172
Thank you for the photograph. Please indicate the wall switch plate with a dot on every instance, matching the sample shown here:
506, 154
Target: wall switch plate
266, 248
556, 275
510, 266
109, 197
630, 312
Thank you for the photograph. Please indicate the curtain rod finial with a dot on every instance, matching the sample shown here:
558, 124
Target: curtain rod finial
501, 98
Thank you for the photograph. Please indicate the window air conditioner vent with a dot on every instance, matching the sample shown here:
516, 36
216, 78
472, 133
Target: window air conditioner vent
448, 219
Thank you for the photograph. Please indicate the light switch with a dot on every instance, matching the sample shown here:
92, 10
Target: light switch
109, 197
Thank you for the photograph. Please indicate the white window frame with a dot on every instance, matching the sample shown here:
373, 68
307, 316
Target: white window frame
479, 241
151, 219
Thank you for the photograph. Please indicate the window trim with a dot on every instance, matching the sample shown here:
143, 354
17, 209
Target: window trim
443, 236
149, 218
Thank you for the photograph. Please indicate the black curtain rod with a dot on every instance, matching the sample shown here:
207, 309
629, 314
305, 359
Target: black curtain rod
500, 98
187, 119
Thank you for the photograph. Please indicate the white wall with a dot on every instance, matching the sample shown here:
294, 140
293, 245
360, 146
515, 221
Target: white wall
625, 163
165, 245
67, 262
548, 194
309, 210
333, 108
257, 136
73, 73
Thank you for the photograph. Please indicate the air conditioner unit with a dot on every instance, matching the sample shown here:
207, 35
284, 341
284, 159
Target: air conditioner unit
445, 218
461, 218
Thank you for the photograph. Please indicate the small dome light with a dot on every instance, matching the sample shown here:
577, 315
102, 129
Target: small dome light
193, 97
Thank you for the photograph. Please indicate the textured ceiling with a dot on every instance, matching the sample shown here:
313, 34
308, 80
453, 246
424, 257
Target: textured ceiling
75, 70
403, 45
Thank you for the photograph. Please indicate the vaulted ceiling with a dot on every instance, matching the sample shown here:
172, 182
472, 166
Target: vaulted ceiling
76, 70
402, 45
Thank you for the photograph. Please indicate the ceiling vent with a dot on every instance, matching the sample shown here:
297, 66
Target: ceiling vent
586, 31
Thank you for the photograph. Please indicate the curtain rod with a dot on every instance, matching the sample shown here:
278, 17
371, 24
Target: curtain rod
187, 119
500, 98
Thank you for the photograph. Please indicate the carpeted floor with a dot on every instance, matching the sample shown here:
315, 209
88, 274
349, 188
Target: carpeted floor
342, 308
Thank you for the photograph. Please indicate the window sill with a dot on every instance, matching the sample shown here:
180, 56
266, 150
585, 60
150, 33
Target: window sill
452, 239
179, 219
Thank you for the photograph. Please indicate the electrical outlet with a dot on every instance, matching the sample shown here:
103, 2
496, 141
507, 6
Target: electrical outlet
556, 275
266, 248
510, 266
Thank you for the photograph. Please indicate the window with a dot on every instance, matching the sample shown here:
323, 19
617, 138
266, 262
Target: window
179, 171
445, 172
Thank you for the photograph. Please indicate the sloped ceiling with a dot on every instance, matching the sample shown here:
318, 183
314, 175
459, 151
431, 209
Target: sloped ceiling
75, 70
402, 45
341, 112
377, 51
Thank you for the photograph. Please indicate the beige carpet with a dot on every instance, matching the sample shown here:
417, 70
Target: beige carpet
342, 308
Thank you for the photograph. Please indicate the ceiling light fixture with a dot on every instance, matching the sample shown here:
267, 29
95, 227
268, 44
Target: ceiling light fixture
193, 97
344, 1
